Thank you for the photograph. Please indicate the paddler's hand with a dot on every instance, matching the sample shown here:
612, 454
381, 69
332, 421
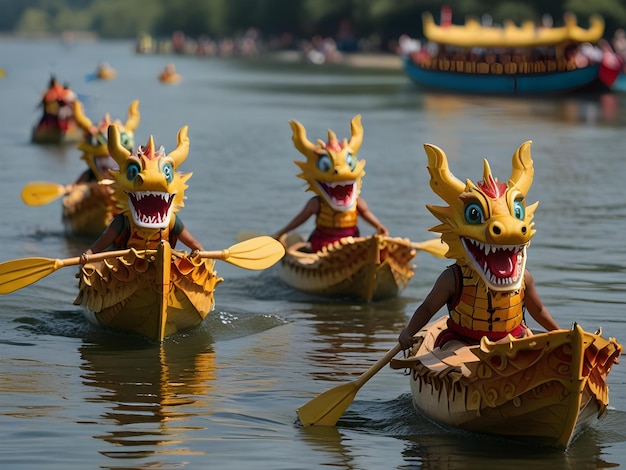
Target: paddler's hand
382, 230
84, 257
195, 256
405, 339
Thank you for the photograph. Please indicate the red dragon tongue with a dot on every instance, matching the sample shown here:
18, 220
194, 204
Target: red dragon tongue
341, 193
502, 263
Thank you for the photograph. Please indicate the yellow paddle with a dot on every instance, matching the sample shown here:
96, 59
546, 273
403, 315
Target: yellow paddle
256, 253
327, 408
40, 193
435, 247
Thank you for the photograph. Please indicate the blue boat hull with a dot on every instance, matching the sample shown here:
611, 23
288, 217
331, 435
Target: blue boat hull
504, 84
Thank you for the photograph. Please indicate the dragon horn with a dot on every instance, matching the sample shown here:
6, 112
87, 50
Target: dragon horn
356, 129
523, 169
79, 116
133, 116
116, 149
301, 142
442, 181
179, 154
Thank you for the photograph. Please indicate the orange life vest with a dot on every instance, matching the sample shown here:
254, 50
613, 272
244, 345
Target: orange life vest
479, 311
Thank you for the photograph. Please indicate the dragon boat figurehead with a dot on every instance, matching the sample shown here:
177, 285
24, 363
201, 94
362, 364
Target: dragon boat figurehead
335, 174
487, 225
94, 146
332, 169
149, 189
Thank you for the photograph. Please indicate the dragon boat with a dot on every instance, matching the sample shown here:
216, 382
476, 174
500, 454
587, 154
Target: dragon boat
512, 60
336, 260
152, 289
153, 293
543, 389
105, 72
57, 124
365, 268
89, 205
481, 368
169, 75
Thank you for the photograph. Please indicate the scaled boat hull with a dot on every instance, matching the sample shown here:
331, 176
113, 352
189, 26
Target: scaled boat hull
153, 293
366, 268
543, 389
88, 209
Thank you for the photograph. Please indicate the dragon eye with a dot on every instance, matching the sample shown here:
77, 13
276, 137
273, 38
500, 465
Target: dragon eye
518, 210
132, 171
351, 161
324, 163
168, 171
474, 214
126, 141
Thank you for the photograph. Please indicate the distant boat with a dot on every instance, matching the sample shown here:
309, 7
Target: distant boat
57, 124
169, 75
512, 60
103, 72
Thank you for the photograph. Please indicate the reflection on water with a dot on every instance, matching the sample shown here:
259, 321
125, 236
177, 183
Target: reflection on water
149, 392
346, 332
594, 109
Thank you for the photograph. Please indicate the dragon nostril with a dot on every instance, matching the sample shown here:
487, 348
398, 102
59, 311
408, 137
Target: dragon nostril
524, 229
497, 230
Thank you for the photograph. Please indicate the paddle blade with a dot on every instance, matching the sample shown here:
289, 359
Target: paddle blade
327, 408
40, 193
435, 247
20, 273
256, 253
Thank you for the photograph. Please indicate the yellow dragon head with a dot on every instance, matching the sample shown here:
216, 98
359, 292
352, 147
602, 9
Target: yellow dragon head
332, 169
94, 146
148, 186
486, 225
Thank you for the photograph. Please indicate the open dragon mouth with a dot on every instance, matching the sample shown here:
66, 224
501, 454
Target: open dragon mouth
151, 209
501, 266
341, 195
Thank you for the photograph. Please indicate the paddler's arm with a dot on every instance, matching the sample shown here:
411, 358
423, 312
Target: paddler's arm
535, 306
365, 212
311, 208
188, 239
442, 291
107, 238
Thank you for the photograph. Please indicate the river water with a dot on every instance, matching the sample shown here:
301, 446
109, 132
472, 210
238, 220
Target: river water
224, 395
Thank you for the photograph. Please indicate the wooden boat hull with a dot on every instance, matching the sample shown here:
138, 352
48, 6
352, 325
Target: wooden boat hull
506, 84
366, 268
55, 135
543, 389
170, 78
88, 209
106, 74
151, 293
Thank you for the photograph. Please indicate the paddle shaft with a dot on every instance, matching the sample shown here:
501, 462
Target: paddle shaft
60, 263
327, 408
379, 364
257, 253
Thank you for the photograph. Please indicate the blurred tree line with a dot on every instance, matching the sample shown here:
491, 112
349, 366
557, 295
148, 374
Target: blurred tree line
384, 19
